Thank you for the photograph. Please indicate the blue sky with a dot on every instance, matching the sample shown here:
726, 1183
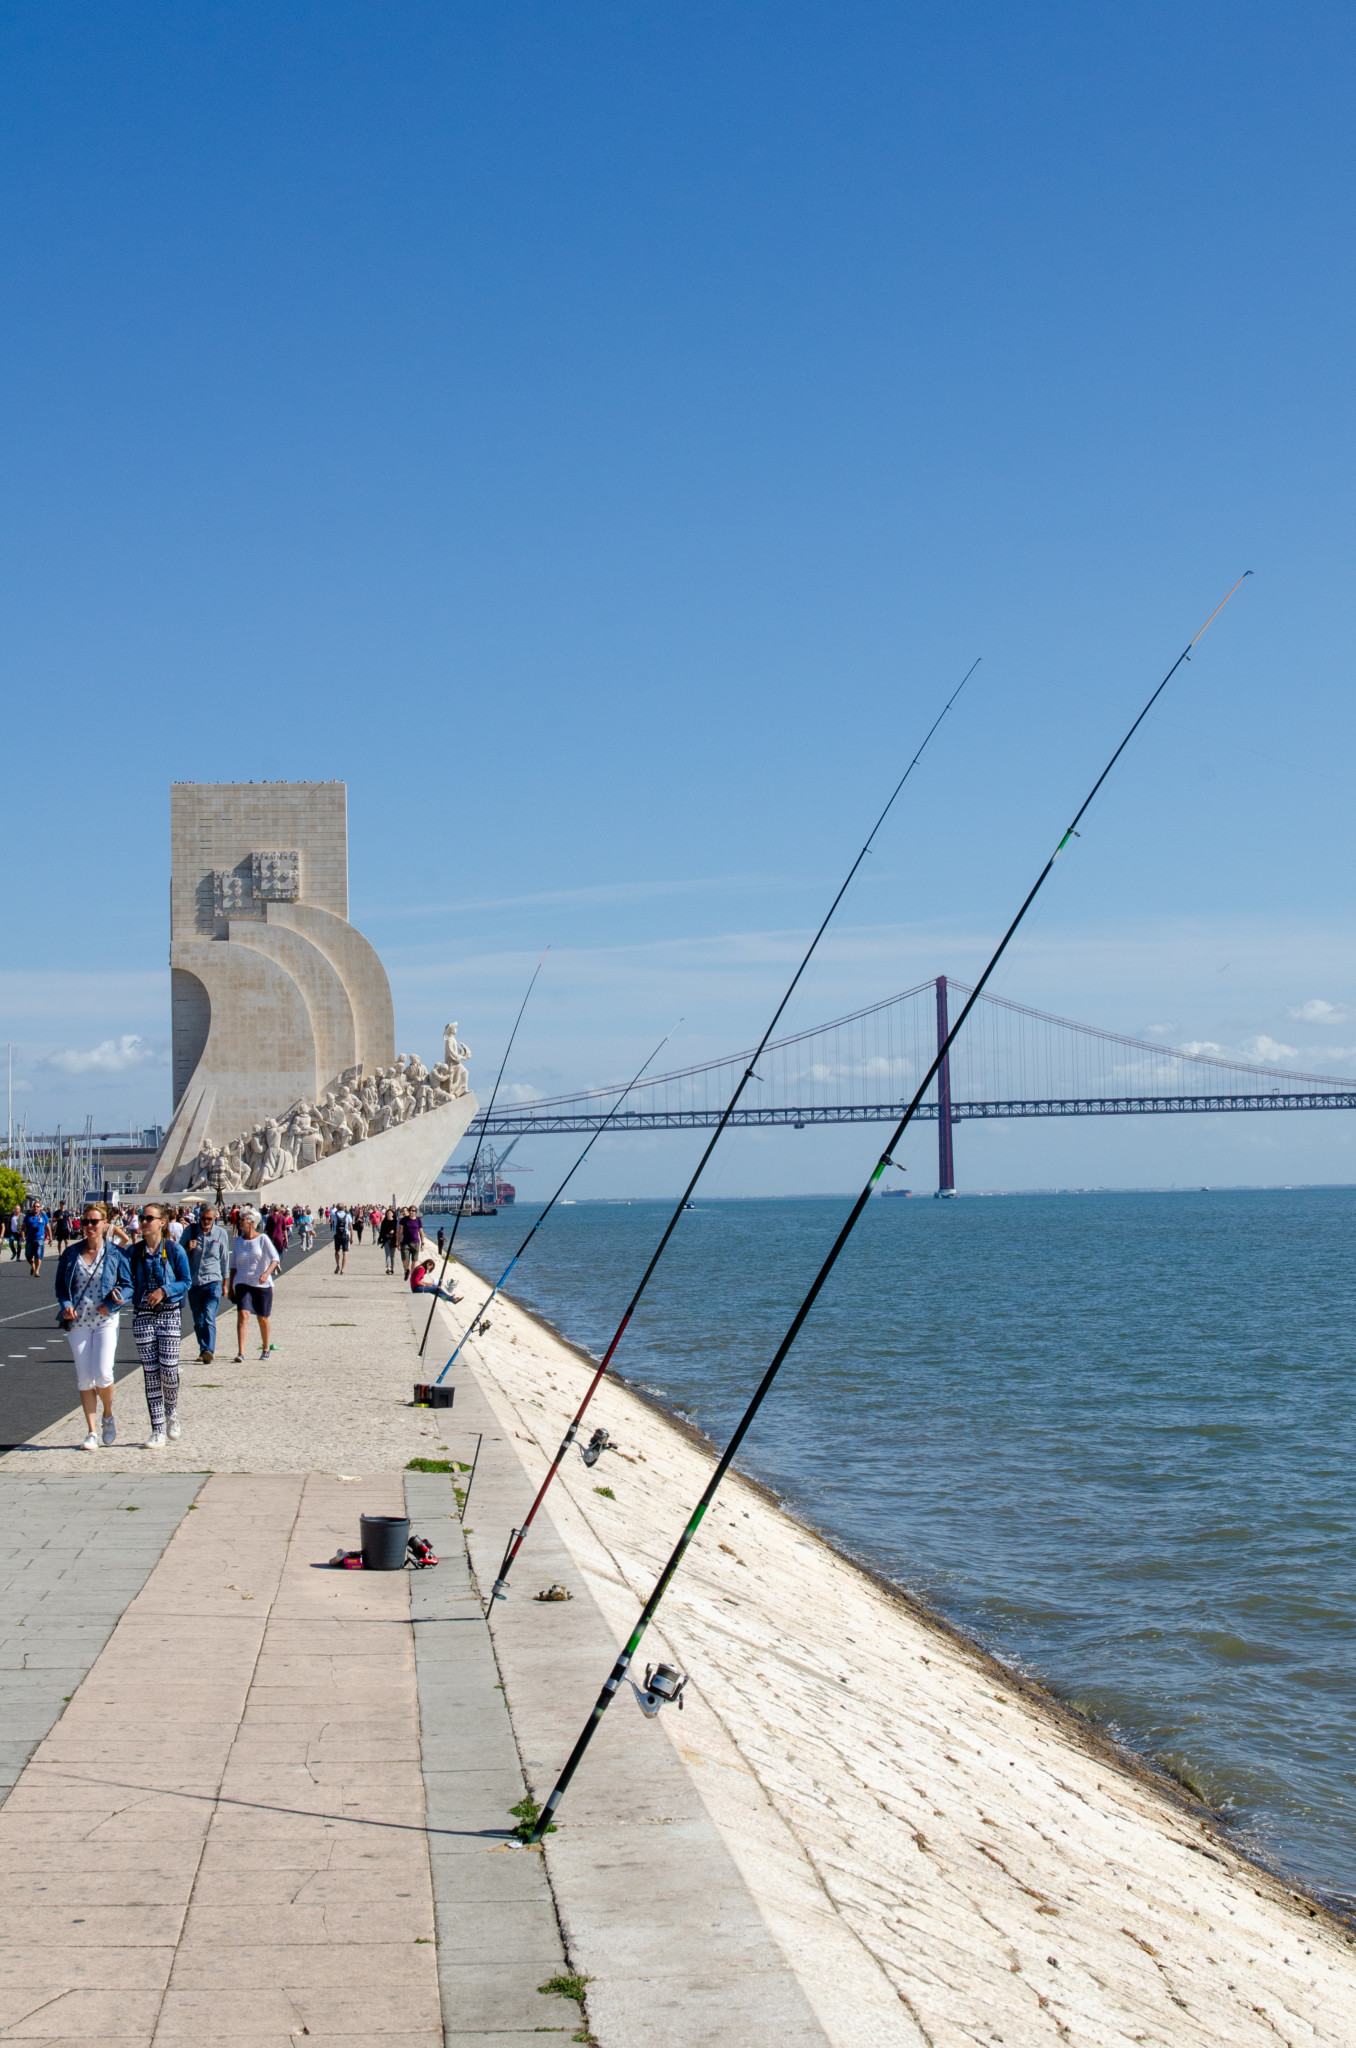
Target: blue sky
602, 435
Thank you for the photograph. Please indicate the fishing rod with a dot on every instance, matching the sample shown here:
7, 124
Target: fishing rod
516, 1536
665, 1684
475, 1156
552, 1203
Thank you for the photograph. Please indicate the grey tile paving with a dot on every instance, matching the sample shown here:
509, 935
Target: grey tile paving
498, 1937
74, 1559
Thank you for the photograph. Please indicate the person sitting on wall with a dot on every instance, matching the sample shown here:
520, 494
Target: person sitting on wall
421, 1284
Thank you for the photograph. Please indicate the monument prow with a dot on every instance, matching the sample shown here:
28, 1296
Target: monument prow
286, 1079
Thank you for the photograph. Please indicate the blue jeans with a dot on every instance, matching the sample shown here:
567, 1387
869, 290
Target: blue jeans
203, 1301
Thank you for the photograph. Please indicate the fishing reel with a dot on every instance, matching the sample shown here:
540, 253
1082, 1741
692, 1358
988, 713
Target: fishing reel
593, 1450
663, 1686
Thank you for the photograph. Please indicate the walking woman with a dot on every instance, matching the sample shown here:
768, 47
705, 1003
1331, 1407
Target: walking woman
386, 1238
254, 1261
92, 1283
160, 1280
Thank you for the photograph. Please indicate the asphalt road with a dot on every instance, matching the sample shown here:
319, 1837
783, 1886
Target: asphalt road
37, 1379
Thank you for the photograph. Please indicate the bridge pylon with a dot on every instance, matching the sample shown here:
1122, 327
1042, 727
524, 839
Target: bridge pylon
946, 1161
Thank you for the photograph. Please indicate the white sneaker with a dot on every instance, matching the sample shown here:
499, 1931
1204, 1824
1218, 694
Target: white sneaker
110, 1430
172, 1428
91, 1442
155, 1441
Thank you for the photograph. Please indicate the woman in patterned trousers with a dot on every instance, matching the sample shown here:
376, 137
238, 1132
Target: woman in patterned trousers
160, 1280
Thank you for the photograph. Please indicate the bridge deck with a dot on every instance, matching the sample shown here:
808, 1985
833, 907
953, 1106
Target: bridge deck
558, 1119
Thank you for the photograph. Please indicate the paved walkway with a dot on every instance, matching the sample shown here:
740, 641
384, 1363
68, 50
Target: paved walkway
73, 1553
223, 1837
261, 1800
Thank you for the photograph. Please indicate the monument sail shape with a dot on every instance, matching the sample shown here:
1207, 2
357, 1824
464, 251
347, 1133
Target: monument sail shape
286, 1077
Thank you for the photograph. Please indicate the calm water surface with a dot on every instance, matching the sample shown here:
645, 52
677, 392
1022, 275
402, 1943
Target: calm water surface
1110, 1435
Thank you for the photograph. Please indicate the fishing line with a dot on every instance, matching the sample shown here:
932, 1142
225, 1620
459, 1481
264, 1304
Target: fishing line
667, 1682
475, 1156
552, 1203
516, 1536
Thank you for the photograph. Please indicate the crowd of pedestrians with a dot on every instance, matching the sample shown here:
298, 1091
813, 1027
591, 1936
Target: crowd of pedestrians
157, 1257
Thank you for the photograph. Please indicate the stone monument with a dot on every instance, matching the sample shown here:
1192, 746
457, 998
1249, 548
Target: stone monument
286, 1078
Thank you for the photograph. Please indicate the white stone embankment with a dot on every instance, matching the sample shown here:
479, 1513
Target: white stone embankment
943, 1855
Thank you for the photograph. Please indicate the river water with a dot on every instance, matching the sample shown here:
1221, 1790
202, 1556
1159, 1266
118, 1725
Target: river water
1110, 1435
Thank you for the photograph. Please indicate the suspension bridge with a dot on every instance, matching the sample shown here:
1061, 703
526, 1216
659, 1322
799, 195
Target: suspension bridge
1010, 1062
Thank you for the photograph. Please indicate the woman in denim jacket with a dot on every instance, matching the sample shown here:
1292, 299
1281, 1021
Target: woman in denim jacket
92, 1283
160, 1280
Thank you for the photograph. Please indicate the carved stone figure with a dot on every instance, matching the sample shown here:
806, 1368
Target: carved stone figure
336, 1123
307, 1137
200, 1173
455, 1056
253, 1150
270, 1166
392, 1103
352, 1105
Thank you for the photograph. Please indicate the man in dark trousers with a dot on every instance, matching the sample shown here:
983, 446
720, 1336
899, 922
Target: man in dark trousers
35, 1238
208, 1248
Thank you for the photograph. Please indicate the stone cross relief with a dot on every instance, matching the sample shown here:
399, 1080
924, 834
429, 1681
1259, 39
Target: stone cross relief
357, 1107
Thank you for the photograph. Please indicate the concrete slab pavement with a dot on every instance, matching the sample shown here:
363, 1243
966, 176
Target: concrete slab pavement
498, 1933
74, 1552
223, 1837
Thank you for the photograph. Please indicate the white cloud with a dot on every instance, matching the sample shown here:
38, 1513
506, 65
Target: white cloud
1264, 1048
1259, 1048
1316, 1011
110, 1056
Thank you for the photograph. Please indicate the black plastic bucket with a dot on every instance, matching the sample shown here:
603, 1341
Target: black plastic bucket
384, 1541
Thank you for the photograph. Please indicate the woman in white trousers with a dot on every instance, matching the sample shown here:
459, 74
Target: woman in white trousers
92, 1284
